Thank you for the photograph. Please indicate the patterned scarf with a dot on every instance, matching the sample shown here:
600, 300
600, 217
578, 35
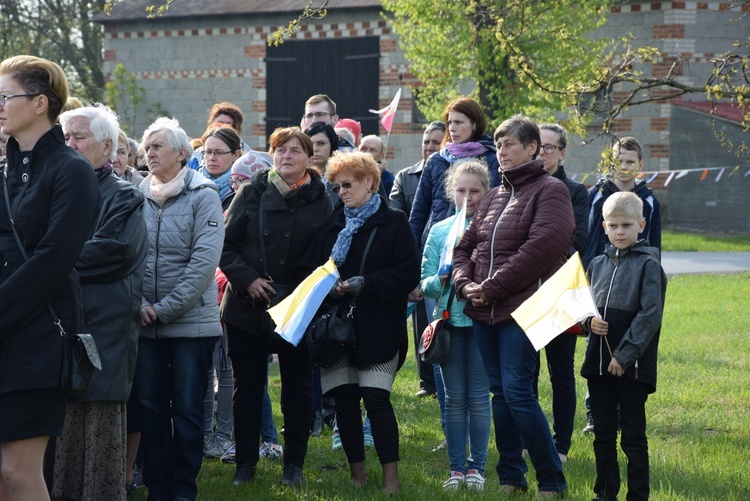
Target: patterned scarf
454, 152
355, 218
223, 181
285, 189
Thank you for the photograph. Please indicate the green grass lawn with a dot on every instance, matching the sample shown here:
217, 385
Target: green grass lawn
700, 242
699, 419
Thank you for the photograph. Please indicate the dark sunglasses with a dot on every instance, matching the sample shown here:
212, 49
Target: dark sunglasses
337, 187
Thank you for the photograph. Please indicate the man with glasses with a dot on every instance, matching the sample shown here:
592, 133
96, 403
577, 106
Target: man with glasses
321, 108
561, 350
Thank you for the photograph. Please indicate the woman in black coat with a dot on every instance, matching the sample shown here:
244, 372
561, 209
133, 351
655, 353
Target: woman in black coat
293, 203
53, 195
390, 273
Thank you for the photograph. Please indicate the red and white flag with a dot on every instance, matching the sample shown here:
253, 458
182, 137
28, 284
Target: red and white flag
388, 113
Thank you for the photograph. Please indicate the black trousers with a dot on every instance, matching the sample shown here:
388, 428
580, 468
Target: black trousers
249, 353
382, 419
607, 392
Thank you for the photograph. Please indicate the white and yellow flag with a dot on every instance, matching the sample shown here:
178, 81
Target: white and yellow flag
295, 312
560, 302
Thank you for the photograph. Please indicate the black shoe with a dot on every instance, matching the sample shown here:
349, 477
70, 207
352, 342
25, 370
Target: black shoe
243, 474
292, 476
317, 424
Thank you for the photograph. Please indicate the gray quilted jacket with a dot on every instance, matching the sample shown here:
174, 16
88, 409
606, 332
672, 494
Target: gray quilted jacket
185, 241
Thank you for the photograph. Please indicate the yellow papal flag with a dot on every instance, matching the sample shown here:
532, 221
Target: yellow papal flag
293, 314
562, 301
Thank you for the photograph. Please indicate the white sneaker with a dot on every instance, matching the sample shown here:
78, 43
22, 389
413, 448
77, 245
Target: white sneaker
454, 483
563, 457
474, 480
270, 450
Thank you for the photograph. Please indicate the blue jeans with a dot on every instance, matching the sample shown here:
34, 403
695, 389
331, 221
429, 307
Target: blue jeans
467, 395
267, 426
560, 365
223, 372
510, 359
171, 377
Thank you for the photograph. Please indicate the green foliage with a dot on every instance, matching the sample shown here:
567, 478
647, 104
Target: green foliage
61, 31
509, 55
128, 98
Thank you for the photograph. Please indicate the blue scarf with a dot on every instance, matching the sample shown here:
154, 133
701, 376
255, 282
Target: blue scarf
222, 182
355, 218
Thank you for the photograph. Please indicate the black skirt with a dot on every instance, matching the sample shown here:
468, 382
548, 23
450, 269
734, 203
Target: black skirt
32, 413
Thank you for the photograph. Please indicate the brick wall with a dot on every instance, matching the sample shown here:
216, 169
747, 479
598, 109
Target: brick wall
187, 65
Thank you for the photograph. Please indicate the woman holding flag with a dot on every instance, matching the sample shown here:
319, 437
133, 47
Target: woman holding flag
390, 272
467, 392
519, 237
269, 226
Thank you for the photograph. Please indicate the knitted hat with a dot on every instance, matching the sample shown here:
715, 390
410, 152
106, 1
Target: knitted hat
251, 162
354, 126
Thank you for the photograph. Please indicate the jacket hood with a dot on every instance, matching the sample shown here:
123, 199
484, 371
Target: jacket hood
607, 187
193, 180
640, 247
487, 141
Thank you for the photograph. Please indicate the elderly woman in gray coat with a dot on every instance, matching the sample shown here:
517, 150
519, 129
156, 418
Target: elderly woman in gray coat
180, 313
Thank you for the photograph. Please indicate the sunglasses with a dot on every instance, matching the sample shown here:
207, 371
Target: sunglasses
347, 186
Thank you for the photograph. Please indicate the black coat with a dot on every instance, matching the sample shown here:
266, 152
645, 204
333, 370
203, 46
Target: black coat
391, 272
290, 226
111, 268
54, 198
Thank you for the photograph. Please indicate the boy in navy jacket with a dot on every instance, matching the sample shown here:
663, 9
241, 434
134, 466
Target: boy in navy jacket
629, 287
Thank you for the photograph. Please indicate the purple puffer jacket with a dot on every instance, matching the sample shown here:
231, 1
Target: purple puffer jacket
520, 236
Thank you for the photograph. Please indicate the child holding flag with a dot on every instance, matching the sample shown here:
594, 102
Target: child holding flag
467, 393
629, 287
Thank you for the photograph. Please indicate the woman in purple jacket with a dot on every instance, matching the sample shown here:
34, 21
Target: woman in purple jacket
520, 235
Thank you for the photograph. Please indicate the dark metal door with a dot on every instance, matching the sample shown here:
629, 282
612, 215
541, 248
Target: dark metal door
346, 69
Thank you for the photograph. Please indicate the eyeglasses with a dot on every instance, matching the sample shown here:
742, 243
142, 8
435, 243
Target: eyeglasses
550, 148
4, 97
208, 153
239, 180
347, 186
317, 114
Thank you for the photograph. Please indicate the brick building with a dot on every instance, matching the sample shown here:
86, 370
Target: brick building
197, 54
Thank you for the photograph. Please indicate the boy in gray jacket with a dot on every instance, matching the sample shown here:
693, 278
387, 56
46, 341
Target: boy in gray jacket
629, 287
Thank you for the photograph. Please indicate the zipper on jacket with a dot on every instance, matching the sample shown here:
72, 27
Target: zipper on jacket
606, 305
156, 264
492, 240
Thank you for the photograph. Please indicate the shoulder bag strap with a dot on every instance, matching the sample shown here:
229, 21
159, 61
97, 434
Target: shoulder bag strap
262, 239
55, 318
353, 303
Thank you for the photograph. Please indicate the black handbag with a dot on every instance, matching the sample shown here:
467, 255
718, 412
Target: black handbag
80, 356
435, 342
331, 333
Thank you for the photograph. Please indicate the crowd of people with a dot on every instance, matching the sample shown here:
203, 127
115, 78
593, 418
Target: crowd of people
171, 250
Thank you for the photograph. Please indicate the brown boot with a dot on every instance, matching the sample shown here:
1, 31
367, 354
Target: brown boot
358, 474
391, 482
